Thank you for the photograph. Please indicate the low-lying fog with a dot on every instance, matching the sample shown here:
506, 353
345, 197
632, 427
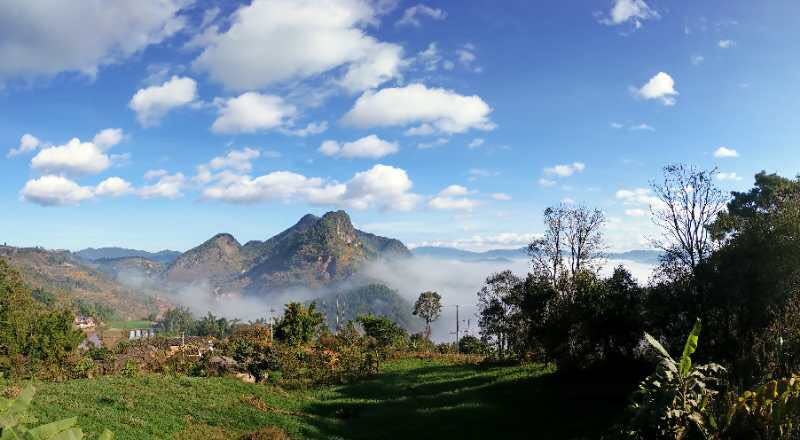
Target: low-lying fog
457, 281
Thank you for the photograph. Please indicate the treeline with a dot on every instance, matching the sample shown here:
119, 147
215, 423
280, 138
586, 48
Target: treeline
731, 263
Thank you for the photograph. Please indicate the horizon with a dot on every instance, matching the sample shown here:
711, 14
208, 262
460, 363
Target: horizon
433, 122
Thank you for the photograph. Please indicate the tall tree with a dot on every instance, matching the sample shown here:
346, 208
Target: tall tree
584, 237
429, 308
571, 231
546, 252
688, 203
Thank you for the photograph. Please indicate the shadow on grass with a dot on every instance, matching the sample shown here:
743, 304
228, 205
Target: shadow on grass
470, 402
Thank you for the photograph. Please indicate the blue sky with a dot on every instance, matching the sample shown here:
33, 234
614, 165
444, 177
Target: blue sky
441, 122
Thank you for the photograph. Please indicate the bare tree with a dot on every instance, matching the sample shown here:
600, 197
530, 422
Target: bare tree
585, 239
574, 232
688, 203
546, 252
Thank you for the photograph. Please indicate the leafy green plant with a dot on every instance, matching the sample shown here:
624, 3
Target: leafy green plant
770, 411
15, 418
678, 400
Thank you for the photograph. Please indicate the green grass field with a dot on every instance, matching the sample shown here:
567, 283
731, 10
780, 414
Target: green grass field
411, 399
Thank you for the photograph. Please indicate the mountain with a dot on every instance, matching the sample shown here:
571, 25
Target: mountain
70, 280
216, 260
92, 254
645, 256
315, 252
130, 270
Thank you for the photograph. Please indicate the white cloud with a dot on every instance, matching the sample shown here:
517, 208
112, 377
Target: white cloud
252, 112
46, 37
661, 87
635, 11
51, 190
113, 187
383, 187
310, 129
430, 57
616, 125
410, 16
729, 176
475, 143
371, 147
152, 103
168, 186
441, 110
725, 152
466, 56
276, 41
726, 44
107, 138
74, 157
383, 62
641, 127
453, 198
434, 143
697, 59
503, 197
237, 160
27, 143
637, 196
565, 170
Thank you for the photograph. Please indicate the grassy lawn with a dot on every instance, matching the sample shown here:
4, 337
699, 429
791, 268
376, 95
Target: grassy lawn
411, 399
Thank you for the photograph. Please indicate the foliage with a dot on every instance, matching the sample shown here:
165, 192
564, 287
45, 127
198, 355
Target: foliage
428, 307
97, 310
299, 324
177, 320
210, 325
678, 400
15, 418
376, 299
34, 340
471, 345
771, 411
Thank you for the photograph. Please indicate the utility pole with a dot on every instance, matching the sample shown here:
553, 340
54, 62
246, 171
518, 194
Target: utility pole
458, 349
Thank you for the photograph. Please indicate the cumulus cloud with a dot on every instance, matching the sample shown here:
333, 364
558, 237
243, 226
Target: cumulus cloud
107, 138
726, 44
275, 41
565, 170
74, 157
252, 112
436, 109
168, 186
635, 212
371, 147
641, 127
46, 37
382, 186
725, 152
429, 58
52, 190
411, 16
547, 183
113, 187
634, 11
27, 143
152, 103
453, 198
660, 87
503, 197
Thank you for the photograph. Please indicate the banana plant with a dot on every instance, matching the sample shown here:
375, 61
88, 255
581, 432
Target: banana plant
15, 418
676, 402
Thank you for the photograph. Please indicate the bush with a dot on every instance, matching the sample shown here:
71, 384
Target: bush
471, 345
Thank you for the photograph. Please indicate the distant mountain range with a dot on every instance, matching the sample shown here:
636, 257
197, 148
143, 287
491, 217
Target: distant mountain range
92, 254
640, 256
